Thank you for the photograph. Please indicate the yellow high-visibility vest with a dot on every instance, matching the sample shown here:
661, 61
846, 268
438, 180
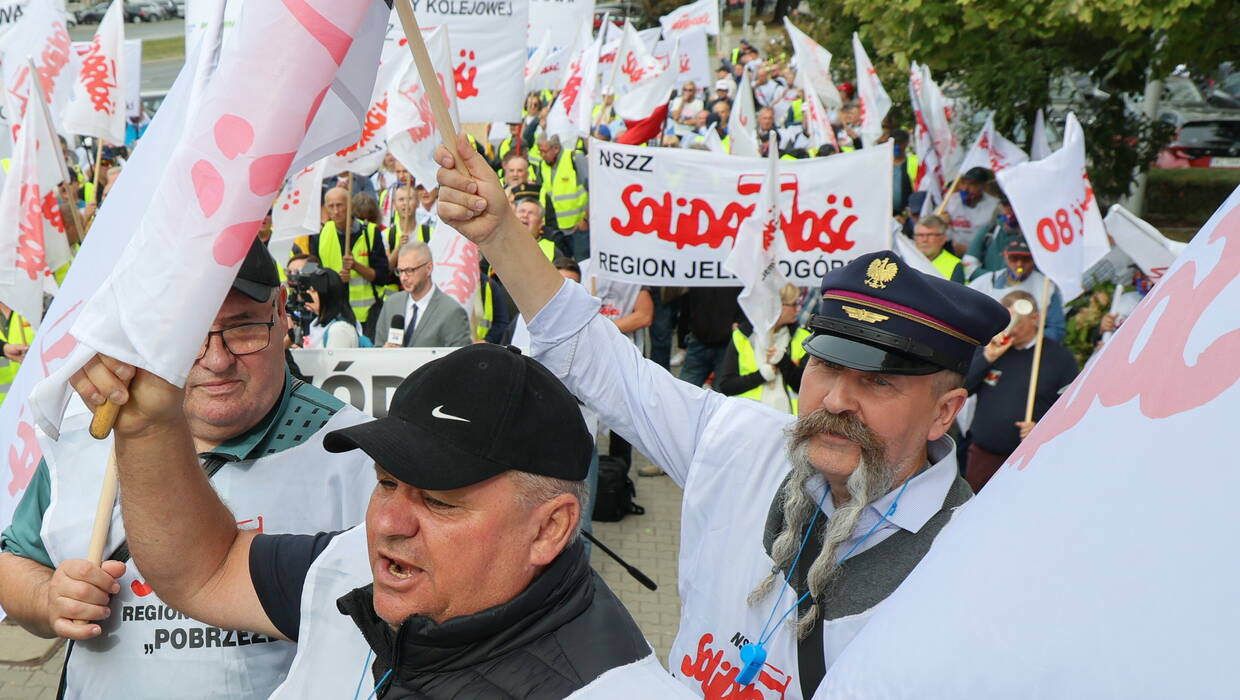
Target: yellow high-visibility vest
18, 331
568, 198
362, 294
746, 363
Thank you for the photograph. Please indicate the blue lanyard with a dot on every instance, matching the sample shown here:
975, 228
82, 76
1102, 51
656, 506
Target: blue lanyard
366, 665
753, 656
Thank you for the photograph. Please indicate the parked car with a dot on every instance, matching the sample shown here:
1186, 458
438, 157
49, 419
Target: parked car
180, 7
143, 12
168, 7
93, 14
1209, 143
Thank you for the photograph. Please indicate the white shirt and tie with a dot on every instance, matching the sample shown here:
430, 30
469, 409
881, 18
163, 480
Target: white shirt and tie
413, 311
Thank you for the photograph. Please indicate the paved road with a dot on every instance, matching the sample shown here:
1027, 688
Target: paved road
142, 30
649, 542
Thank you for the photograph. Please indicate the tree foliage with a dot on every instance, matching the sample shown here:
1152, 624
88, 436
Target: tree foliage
1005, 56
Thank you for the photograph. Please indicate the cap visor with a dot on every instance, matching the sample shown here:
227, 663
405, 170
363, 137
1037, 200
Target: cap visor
414, 455
867, 358
254, 290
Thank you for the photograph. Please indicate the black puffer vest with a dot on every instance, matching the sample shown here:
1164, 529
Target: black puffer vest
563, 631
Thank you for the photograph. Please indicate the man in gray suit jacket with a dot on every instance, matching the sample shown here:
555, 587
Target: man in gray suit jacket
432, 319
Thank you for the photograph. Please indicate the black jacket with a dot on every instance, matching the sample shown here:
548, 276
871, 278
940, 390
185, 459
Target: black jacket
559, 634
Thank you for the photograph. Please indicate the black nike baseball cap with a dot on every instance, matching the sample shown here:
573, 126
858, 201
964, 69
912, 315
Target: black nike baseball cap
472, 415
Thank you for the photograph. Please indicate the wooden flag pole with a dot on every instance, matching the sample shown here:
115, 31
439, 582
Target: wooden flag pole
60, 148
348, 217
1037, 350
430, 83
947, 197
103, 512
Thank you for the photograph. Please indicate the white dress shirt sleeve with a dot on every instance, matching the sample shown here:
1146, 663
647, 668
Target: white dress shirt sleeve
661, 415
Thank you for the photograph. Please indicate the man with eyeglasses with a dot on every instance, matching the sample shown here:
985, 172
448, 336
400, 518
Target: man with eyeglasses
428, 318
930, 237
259, 437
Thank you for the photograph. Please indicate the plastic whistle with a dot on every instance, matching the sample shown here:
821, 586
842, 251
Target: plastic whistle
754, 658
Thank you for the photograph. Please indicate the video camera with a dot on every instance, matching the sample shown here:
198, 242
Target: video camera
298, 298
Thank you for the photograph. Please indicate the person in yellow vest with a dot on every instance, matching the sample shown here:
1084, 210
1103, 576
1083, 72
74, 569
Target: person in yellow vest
563, 181
530, 213
930, 237
776, 378
15, 336
363, 267
405, 226
514, 171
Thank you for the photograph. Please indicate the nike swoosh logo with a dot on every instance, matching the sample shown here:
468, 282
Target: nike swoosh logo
437, 412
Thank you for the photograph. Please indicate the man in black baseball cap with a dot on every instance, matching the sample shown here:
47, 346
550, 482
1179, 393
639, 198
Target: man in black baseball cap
467, 578
880, 388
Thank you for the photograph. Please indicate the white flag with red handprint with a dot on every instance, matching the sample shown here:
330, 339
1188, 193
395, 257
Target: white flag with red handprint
1081, 570
412, 133
743, 122
754, 259
40, 37
813, 66
299, 209
456, 265
872, 99
97, 107
992, 151
33, 243
218, 182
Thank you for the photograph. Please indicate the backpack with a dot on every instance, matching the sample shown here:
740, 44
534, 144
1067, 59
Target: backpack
362, 340
613, 499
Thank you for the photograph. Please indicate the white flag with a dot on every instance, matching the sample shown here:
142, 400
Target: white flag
534, 64
640, 102
573, 107
992, 151
871, 97
1040, 148
1150, 250
299, 209
365, 155
1090, 586
412, 131
218, 183
818, 125
40, 36
634, 65
934, 113
703, 14
754, 258
1055, 204
97, 107
813, 66
743, 122
32, 243
456, 265
915, 258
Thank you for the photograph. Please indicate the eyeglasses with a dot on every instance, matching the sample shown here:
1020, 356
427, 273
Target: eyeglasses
402, 271
242, 339
932, 234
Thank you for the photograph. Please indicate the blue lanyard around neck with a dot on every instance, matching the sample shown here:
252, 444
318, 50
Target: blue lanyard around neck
366, 665
753, 656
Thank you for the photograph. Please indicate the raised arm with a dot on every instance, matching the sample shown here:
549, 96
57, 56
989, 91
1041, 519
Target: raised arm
181, 535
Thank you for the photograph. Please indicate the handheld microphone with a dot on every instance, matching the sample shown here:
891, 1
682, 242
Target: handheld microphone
396, 335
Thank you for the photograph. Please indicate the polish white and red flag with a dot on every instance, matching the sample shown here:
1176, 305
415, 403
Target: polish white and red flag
97, 106
754, 259
32, 241
412, 131
702, 14
813, 66
41, 38
573, 107
644, 108
1054, 201
212, 188
743, 121
872, 100
1094, 586
992, 151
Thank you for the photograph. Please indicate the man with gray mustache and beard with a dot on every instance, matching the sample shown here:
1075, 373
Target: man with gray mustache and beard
775, 576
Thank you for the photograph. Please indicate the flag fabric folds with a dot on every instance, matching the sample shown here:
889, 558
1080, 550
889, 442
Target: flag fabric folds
992, 151
97, 107
872, 98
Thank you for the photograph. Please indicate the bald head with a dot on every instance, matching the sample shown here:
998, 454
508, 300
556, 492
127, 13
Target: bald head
336, 201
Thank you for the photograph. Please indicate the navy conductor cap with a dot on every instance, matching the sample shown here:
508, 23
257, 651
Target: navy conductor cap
879, 314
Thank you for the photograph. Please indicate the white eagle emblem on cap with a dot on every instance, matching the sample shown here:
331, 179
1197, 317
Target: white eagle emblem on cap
880, 272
